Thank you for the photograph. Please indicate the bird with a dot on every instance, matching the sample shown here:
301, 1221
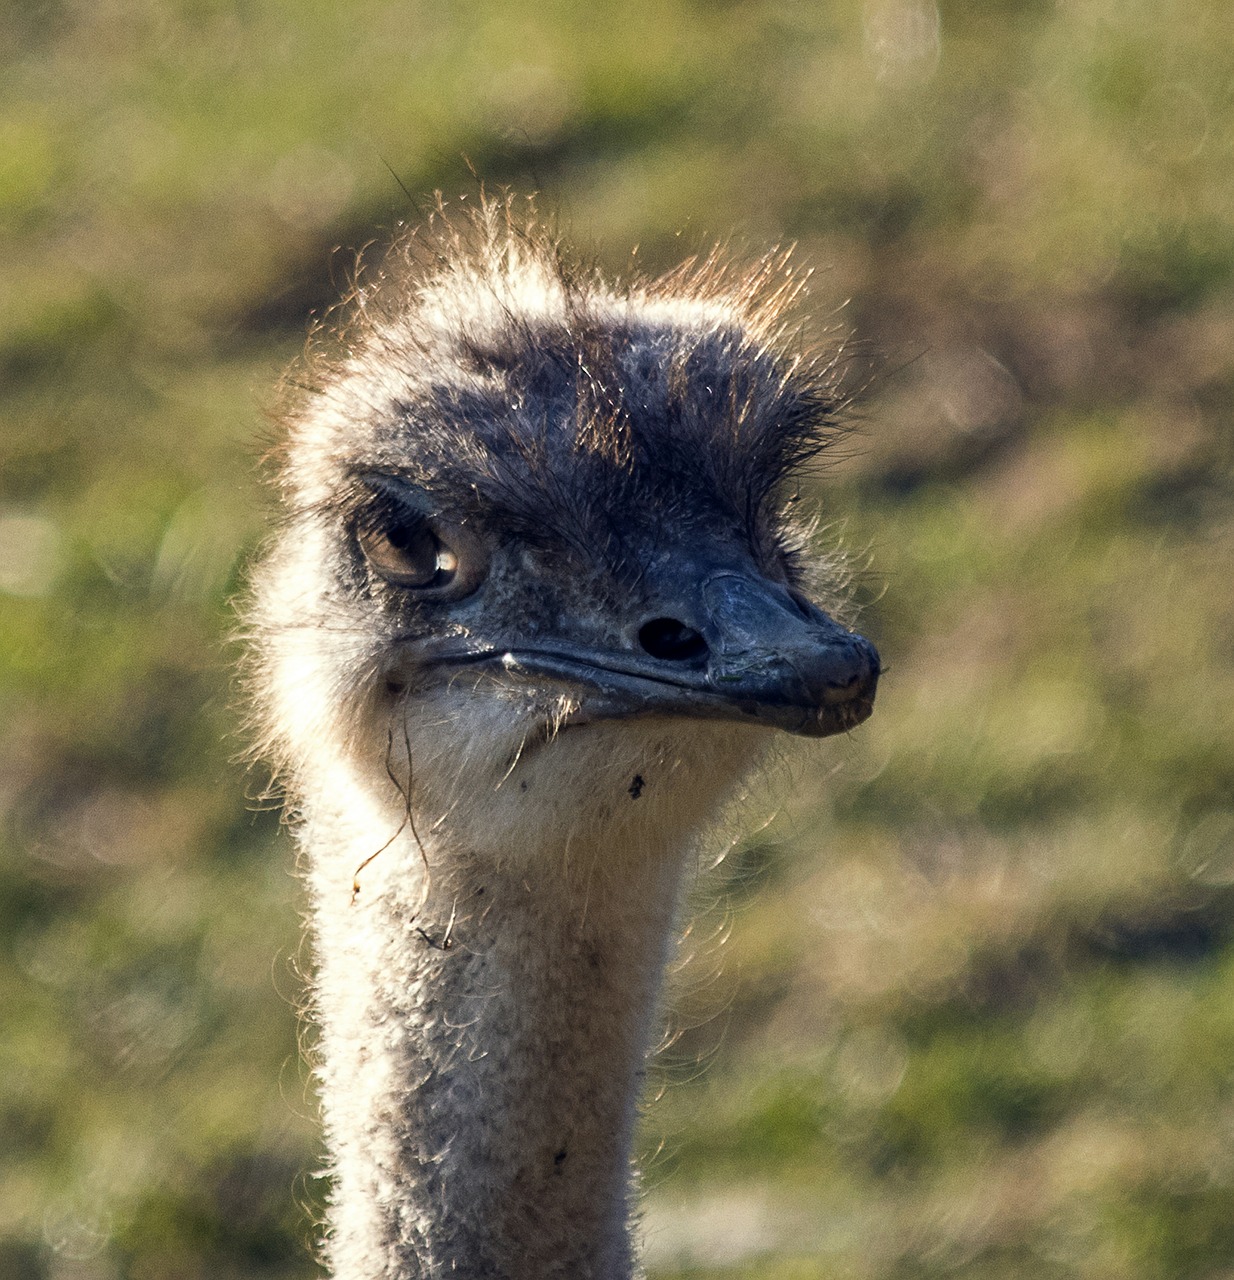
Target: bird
537, 604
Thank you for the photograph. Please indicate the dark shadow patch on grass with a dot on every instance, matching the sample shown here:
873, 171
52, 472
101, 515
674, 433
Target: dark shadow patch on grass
312, 280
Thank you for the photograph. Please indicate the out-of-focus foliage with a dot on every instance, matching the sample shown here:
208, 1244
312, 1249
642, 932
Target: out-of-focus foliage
975, 1015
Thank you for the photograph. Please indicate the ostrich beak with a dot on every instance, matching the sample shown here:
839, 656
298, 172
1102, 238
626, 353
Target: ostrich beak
725, 644
774, 656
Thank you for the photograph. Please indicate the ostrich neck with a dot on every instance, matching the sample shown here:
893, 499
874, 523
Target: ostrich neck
484, 1033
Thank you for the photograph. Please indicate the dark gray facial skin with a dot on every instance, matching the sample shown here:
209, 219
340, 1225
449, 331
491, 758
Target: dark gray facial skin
706, 636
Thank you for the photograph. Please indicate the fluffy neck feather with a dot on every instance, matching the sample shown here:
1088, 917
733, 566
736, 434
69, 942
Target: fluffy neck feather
485, 1022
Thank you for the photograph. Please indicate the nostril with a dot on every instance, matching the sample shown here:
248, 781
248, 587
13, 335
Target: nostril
671, 640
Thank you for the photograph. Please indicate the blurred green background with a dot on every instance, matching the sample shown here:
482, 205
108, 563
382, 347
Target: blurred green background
974, 1015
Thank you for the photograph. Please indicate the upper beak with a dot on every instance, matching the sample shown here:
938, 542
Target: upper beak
776, 657
723, 643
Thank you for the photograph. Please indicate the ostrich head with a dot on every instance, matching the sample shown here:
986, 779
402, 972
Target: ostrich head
539, 546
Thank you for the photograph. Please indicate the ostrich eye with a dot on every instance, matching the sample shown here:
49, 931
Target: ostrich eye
409, 555
409, 546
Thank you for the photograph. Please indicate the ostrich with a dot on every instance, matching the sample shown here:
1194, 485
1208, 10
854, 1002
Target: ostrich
535, 609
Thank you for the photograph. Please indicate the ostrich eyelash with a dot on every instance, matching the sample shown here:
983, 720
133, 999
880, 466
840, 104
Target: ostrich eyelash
390, 504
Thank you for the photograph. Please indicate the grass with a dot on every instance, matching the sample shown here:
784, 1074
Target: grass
972, 1017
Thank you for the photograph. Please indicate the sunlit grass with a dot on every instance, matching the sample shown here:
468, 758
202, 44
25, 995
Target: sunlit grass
972, 1014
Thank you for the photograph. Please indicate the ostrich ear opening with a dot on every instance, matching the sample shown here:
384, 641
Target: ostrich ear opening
407, 544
